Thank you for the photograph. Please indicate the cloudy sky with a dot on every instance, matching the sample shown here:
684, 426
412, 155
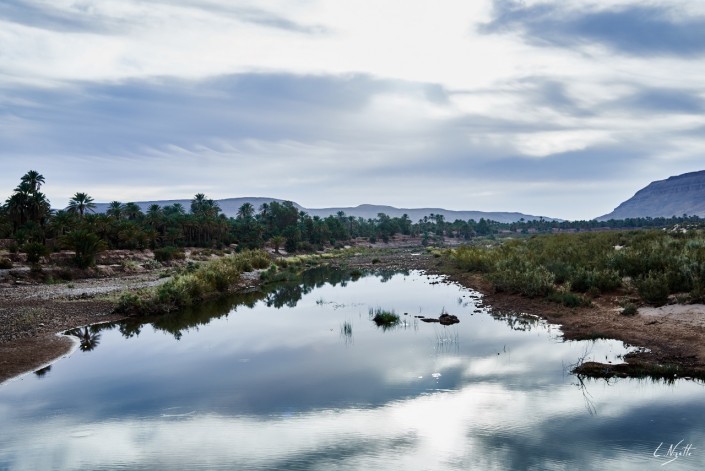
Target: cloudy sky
562, 108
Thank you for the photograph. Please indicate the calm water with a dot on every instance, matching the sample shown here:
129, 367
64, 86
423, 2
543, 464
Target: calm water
301, 378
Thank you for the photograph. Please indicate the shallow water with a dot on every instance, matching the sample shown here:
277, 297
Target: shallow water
301, 378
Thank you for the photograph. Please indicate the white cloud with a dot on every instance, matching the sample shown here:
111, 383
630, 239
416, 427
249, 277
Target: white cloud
384, 88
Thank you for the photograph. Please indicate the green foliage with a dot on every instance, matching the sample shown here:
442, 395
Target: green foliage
195, 284
85, 244
660, 263
35, 252
629, 309
604, 280
383, 318
474, 259
522, 277
653, 288
569, 299
166, 254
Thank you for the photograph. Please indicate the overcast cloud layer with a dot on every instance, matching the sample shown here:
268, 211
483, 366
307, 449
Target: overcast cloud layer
563, 108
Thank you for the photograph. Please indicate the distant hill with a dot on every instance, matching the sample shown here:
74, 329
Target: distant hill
675, 196
230, 206
370, 211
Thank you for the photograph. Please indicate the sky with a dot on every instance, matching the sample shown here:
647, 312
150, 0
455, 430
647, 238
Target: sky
559, 108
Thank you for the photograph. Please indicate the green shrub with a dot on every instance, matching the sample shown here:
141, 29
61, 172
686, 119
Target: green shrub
195, 283
569, 299
86, 244
129, 303
629, 309
166, 254
383, 318
516, 276
653, 288
35, 251
305, 246
604, 280
474, 259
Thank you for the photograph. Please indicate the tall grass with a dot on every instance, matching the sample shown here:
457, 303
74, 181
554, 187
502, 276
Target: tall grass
659, 262
383, 318
194, 284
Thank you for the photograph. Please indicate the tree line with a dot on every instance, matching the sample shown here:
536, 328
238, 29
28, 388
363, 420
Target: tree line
28, 220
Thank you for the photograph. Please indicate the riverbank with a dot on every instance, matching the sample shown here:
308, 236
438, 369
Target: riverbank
32, 314
671, 339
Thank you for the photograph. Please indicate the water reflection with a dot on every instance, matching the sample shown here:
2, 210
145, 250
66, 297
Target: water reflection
88, 337
42, 371
346, 332
314, 384
276, 295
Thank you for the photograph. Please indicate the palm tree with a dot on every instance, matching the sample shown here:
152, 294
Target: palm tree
154, 209
80, 203
132, 211
264, 210
115, 210
178, 208
18, 205
246, 211
277, 241
34, 179
62, 222
204, 206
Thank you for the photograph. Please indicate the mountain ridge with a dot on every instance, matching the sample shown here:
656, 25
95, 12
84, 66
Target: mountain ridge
230, 206
673, 196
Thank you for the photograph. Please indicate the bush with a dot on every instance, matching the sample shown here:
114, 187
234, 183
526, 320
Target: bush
35, 251
653, 288
569, 299
604, 280
86, 244
166, 254
629, 309
474, 259
305, 246
194, 284
515, 276
384, 319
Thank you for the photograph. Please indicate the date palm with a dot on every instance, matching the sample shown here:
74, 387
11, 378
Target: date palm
34, 179
115, 210
80, 203
246, 211
62, 222
204, 206
132, 211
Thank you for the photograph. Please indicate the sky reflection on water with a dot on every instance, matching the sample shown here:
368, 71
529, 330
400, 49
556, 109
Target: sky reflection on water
260, 387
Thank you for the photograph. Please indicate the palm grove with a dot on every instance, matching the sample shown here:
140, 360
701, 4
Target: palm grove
33, 227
